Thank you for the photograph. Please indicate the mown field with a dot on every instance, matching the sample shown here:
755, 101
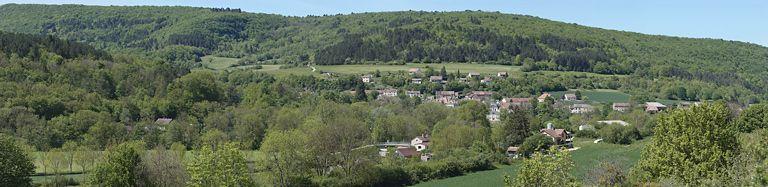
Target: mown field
586, 158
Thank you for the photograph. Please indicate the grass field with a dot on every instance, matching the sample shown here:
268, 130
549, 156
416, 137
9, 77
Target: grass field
586, 157
45, 175
217, 63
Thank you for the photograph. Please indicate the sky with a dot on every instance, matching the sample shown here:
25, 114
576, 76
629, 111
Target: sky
741, 20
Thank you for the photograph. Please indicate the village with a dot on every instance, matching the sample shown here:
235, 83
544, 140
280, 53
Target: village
561, 138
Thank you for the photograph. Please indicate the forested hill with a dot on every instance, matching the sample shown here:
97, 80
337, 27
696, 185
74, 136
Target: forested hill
470, 36
38, 46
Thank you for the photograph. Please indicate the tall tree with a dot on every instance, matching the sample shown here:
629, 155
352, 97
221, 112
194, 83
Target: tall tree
223, 166
514, 127
121, 166
690, 145
15, 163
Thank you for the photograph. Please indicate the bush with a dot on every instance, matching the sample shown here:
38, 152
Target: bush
535, 143
587, 134
617, 134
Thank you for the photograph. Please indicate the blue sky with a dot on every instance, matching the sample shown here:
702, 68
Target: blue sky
742, 20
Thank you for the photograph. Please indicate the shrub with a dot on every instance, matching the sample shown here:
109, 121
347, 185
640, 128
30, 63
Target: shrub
619, 134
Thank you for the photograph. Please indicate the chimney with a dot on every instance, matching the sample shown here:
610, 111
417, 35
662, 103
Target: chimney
550, 126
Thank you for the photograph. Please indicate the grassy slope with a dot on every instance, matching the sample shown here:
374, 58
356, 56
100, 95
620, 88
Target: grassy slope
588, 156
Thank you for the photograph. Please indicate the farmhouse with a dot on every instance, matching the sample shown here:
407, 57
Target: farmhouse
559, 136
493, 117
621, 107
163, 121
654, 107
388, 93
581, 108
436, 79
543, 97
486, 80
407, 152
420, 142
570, 97
367, 78
411, 93
502, 74
479, 95
512, 151
511, 103
473, 75
416, 80
448, 94
414, 70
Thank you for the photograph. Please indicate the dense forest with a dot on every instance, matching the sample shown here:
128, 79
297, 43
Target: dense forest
412, 36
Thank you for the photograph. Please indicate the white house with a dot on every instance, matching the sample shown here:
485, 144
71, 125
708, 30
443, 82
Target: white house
416, 80
581, 108
388, 93
420, 142
367, 78
570, 97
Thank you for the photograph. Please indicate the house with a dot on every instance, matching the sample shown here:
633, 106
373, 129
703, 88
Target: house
493, 117
414, 71
494, 107
512, 152
520, 102
463, 80
420, 142
407, 152
654, 107
586, 127
559, 136
473, 75
502, 74
426, 156
416, 80
581, 108
436, 79
621, 107
479, 95
612, 122
448, 94
687, 104
413, 93
388, 93
570, 97
163, 121
367, 78
486, 80
543, 97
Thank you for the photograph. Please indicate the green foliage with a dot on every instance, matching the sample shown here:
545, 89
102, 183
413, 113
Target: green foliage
16, 163
618, 134
535, 144
514, 128
754, 117
121, 166
223, 166
690, 145
546, 170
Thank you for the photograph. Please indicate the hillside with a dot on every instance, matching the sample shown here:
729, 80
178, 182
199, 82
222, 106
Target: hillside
469, 36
